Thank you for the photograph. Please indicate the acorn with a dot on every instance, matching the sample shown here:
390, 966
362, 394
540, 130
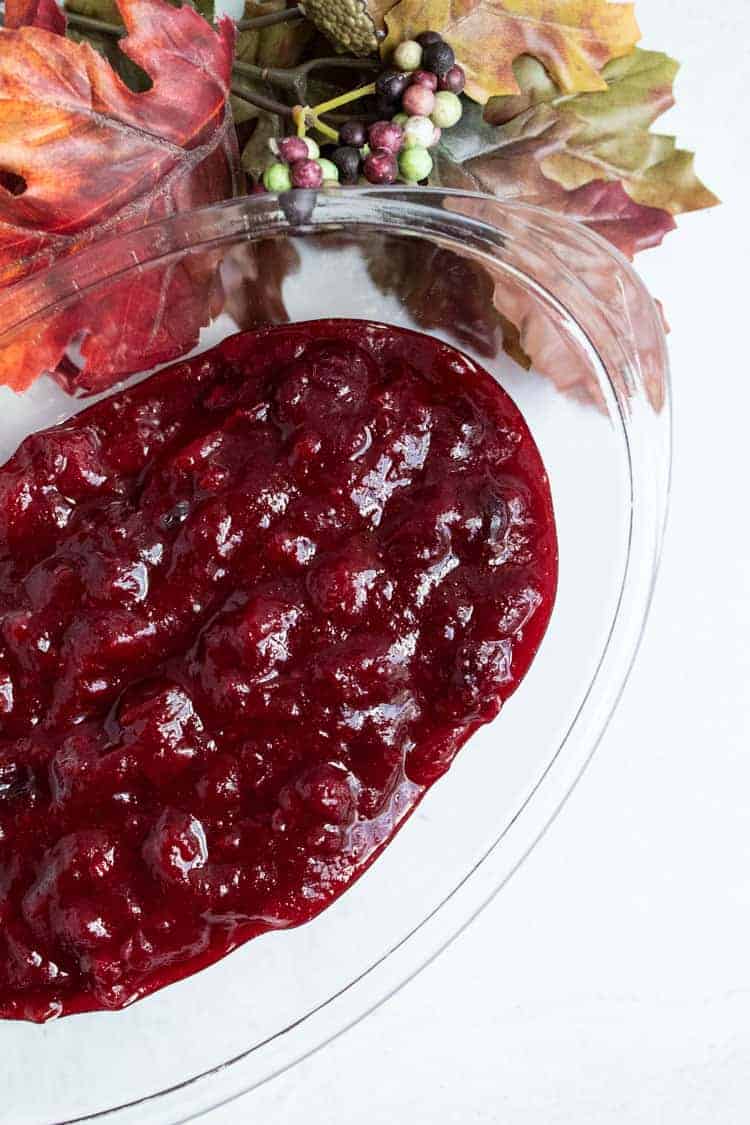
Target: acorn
350, 25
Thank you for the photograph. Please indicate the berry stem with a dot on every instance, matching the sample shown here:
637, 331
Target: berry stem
298, 117
324, 130
308, 117
343, 99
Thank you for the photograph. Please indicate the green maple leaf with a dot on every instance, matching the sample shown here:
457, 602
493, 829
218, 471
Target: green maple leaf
605, 135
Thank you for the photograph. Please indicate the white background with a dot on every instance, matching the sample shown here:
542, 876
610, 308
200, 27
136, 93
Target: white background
610, 981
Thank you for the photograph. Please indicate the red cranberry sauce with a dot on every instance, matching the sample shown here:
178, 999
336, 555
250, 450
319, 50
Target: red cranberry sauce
249, 611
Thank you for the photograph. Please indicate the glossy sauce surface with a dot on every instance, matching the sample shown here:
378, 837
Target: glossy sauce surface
249, 611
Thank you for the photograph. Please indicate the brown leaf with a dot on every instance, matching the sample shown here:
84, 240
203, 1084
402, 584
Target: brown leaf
573, 38
438, 288
254, 274
604, 207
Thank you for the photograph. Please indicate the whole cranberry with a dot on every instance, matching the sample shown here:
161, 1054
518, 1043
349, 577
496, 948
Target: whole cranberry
418, 101
352, 134
386, 135
306, 174
292, 149
390, 84
427, 38
425, 78
381, 167
453, 80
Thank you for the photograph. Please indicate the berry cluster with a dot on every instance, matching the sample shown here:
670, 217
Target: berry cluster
417, 97
299, 165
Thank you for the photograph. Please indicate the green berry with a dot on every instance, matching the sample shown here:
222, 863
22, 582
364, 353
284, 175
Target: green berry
277, 178
414, 164
312, 147
408, 55
447, 111
330, 171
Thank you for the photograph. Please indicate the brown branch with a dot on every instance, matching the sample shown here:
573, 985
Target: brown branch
287, 15
262, 101
295, 78
88, 23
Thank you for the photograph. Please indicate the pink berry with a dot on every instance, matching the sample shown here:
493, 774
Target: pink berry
386, 135
453, 80
306, 174
292, 149
425, 78
381, 167
418, 101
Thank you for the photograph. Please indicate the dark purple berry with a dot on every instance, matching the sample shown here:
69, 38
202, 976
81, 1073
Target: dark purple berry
425, 78
386, 135
348, 161
306, 174
381, 167
391, 84
438, 58
292, 149
427, 38
352, 134
386, 107
453, 80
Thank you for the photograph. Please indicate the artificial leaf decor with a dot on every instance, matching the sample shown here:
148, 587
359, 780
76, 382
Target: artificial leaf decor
606, 136
573, 38
92, 158
589, 156
140, 109
35, 13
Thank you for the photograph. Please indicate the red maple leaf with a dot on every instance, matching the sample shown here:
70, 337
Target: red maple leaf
35, 13
85, 158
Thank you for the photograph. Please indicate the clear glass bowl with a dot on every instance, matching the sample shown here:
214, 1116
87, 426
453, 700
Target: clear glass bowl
464, 267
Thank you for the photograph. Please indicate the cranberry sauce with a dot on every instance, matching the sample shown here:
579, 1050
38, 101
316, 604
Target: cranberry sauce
249, 611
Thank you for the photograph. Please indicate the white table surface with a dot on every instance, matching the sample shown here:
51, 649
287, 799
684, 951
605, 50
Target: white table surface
610, 980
